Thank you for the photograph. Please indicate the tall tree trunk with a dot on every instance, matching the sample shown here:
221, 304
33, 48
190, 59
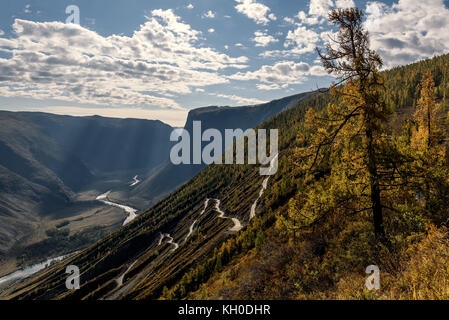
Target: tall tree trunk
377, 209
375, 189
429, 127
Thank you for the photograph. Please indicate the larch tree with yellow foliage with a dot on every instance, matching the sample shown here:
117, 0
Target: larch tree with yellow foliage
428, 133
350, 134
428, 147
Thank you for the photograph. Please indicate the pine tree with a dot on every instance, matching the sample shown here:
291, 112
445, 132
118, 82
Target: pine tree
445, 87
430, 153
361, 115
428, 133
165, 293
260, 240
218, 264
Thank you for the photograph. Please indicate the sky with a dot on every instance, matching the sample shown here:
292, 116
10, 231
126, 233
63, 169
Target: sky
158, 59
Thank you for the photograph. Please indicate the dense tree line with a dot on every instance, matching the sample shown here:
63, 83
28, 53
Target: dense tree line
363, 178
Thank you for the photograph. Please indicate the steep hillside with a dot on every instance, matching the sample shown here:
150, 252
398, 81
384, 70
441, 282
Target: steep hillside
47, 159
313, 249
93, 155
107, 144
37, 175
170, 176
191, 245
242, 117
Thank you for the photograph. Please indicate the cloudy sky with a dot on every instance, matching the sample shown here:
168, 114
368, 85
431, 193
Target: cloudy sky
157, 59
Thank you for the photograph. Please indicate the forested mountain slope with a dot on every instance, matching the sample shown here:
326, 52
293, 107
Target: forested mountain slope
309, 238
160, 184
318, 244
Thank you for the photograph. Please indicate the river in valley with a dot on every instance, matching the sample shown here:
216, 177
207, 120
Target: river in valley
131, 211
30, 270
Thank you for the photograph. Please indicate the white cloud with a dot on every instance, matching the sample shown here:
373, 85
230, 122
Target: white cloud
190, 6
403, 32
297, 42
408, 30
328, 36
27, 8
320, 7
280, 74
345, 4
289, 20
239, 45
211, 30
53, 60
1, 32
226, 47
209, 14
319, 10
304, 18
303, 39
255, 11
262, 39
273, 86
238, 99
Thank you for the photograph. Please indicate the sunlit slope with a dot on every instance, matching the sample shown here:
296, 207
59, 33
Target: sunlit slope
234, 188
170, 177
134, 262
103, 263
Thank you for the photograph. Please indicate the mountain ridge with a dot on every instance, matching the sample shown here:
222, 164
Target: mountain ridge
220, 118
152, 269
48, 159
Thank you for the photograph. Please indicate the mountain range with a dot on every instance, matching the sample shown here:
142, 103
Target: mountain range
170, 176
53, 167
224, 233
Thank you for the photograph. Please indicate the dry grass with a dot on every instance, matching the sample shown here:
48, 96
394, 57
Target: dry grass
423, 274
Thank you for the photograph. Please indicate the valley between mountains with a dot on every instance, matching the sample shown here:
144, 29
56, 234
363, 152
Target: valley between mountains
230, 233
180, 243
128, 194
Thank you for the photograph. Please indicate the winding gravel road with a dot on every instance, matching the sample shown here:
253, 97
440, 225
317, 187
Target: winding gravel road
170, 241
206, 202
252, 212
237, 225
119, 280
